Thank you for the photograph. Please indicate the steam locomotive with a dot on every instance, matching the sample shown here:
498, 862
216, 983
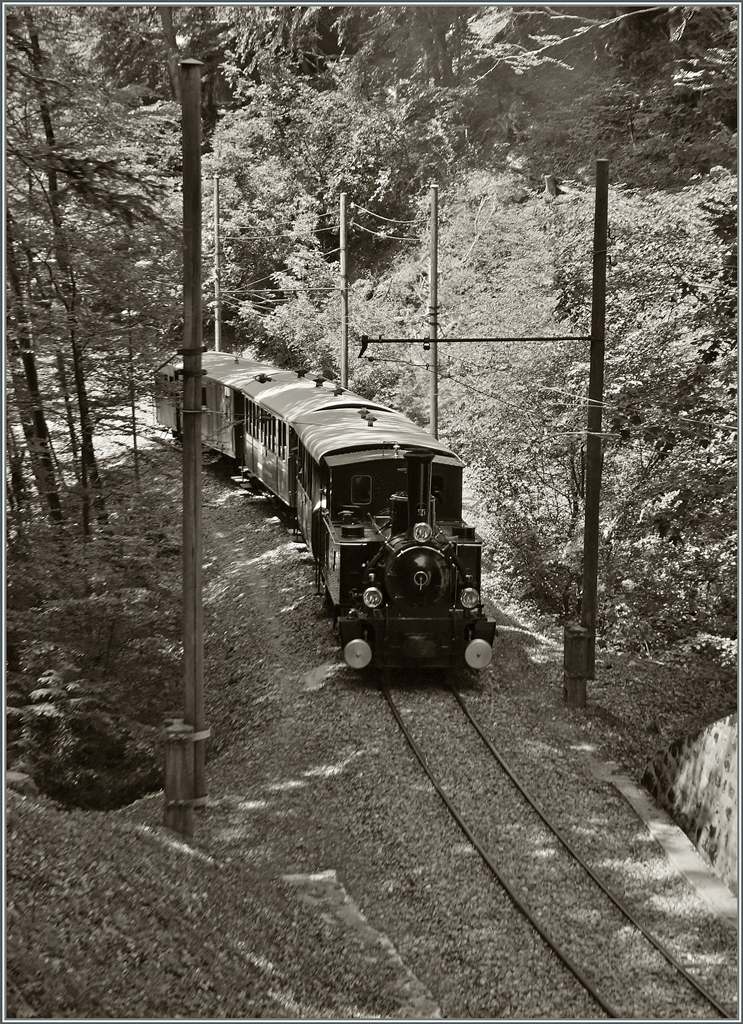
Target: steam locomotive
376, 498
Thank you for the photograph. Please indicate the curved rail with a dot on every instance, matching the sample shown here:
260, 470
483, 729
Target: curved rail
618, 903
511, 893
506, 885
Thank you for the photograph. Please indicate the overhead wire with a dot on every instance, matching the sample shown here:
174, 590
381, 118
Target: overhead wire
291, 288
281, 234
445, 376
382, 234
389, 220
683, 420
309, 215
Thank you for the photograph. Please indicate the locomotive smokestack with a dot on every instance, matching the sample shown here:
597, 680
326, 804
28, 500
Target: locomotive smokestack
420, 505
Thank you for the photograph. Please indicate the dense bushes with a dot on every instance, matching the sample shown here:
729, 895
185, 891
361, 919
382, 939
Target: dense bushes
668, 540
94, 647
78, 747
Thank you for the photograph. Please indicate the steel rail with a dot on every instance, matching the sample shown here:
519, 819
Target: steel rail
506, 885
621, 906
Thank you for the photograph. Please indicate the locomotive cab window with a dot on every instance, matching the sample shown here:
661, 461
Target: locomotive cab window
361, 489
437, 488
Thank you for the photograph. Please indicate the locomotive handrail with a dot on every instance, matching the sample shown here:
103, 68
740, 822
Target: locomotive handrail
449, 550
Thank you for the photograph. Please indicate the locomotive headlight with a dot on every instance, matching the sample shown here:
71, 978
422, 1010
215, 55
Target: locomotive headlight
373, 597
469, 597
422, 532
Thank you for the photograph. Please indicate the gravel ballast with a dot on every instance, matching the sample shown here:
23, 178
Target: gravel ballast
326, 879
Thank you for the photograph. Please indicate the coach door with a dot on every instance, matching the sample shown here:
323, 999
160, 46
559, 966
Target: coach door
238, 433
269, 473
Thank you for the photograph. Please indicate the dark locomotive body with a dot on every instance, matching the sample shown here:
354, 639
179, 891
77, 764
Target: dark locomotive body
377, 499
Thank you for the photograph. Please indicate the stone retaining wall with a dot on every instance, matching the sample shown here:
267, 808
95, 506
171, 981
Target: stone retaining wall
695, 780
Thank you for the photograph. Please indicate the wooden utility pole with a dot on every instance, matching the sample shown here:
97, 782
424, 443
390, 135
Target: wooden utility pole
433, 309
217, 293
185, 738
594, 455
344, 293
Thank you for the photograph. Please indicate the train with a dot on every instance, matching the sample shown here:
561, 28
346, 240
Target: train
377, 500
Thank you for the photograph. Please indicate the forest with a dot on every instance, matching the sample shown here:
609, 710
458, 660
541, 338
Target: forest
299, 105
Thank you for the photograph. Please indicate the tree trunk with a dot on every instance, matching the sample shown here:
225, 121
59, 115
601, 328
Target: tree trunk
133, 400
88, 460
445, 74
17, 491
30, 405
174, 55
66, 291
69, 416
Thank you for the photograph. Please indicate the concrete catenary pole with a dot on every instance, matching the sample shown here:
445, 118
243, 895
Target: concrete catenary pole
344, 292
594, 456
217, 293
433, 310
193, 617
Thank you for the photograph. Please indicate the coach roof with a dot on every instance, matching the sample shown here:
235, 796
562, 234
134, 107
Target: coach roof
327, 419
284, 393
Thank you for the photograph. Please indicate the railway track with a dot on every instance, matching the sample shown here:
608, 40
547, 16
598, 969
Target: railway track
598, 938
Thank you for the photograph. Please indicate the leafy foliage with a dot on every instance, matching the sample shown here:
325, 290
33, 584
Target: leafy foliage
301, 104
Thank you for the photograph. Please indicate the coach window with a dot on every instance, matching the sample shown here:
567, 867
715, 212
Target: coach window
203, 398
361, 489
305, 472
